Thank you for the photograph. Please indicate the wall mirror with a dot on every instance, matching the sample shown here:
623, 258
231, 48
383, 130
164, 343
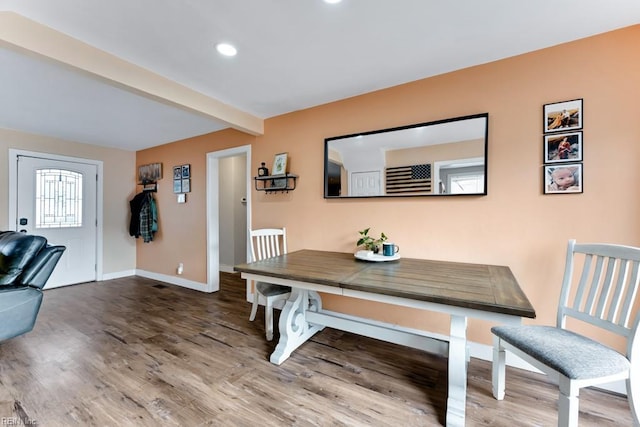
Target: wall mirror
439, 158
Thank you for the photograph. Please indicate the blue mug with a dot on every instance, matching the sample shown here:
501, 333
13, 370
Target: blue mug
389, 249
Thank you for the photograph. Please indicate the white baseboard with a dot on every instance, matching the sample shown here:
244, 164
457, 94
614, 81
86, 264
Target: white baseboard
118, 275
485, 352
178, 281
226, 268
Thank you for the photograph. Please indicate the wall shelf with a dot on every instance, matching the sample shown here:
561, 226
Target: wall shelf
274, 183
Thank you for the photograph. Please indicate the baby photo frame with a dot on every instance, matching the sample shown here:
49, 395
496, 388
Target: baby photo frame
563, 179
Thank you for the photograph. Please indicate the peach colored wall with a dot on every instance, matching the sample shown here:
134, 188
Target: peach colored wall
181, 235
514, 225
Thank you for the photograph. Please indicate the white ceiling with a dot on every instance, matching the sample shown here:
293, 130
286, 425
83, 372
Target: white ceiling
292, 54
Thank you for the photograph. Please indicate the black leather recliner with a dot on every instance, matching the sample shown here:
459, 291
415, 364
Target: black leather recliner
26, 263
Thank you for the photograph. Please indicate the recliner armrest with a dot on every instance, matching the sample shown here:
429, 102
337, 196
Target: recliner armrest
17, 250
40, 269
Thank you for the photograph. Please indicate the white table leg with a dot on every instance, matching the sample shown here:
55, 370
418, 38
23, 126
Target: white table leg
457, 398
293, 326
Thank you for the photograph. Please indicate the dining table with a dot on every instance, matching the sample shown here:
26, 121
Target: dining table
460, 290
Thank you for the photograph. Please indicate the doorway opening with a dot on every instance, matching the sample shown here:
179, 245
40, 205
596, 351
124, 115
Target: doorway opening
228, 211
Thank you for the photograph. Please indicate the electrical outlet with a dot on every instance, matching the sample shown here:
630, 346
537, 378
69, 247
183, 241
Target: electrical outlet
180, 268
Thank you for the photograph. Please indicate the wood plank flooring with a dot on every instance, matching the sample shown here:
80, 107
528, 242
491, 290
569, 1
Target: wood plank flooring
136, 352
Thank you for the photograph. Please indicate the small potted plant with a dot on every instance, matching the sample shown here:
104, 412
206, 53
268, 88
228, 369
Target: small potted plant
369, 243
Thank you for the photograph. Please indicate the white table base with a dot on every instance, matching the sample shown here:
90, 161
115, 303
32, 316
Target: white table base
303, 316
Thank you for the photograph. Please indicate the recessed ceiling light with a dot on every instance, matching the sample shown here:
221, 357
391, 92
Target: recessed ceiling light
226, 49
332, 1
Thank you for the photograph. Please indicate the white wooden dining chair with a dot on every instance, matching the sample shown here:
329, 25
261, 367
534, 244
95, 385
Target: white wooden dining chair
603, 294
267, 243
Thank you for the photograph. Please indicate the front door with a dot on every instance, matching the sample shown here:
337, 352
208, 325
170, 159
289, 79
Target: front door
58, 200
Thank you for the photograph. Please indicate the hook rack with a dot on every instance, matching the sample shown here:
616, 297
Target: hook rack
149, 186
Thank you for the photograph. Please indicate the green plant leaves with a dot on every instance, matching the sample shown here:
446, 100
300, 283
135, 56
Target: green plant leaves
369, 242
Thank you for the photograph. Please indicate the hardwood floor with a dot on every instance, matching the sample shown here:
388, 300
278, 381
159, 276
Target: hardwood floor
134, 351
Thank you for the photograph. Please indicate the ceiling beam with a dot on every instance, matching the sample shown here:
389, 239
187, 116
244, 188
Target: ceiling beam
22, 34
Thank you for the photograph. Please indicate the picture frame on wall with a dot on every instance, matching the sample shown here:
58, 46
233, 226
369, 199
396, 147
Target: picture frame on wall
149, 173
177, 172
186, 171
563, 147
562, 116
563, 178
177, 186
279, 164
186, 186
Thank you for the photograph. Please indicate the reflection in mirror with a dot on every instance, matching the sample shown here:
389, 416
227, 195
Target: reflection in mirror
445, 157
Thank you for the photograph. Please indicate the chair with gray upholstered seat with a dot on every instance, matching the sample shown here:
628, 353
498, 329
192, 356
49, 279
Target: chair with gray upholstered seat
599, 288
267, 243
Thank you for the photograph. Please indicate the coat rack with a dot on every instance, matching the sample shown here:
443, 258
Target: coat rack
150, 187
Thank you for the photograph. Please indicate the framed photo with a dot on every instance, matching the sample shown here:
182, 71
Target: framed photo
186, 171
177, 186
563, 116
563, 147
563, 179
177, 172
186, 186
279, 164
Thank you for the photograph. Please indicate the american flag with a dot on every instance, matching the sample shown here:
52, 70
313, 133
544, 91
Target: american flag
408, 179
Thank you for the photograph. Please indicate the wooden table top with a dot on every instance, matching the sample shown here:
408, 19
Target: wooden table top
476, 286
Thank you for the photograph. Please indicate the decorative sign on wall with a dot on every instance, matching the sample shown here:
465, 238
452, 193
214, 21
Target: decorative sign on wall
562, 150
149, 173
279, 164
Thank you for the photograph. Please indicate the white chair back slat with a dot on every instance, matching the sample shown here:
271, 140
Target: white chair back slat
619, 290
630, 297
606, 287
582, 284
267, 243
594, 283
264, 245
258, 246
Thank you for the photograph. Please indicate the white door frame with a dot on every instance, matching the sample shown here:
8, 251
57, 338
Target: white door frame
213, 213
13, 193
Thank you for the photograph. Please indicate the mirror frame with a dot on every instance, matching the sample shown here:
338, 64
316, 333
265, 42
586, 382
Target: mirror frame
398, 128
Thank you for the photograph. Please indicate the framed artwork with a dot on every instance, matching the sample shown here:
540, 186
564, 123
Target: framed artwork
177, 186
186, 171
149, 173
279, 164
186, 186
562, 116
177, 172
563, 147
563, 179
